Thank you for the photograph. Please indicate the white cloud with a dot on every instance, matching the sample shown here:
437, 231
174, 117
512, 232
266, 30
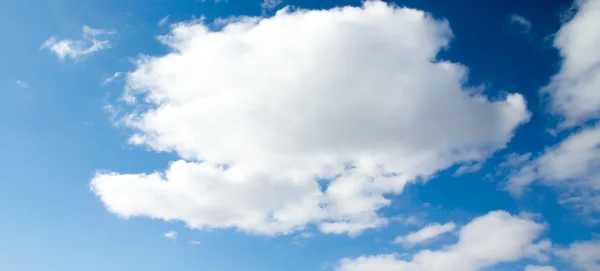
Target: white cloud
574, 91
350, 95
112, 78
164, 20
408, 220
270, 4
91, 33
522, 22
583, 255
494, 238
77, 49
469, 168
425, 234
300, 238
171, 235
22, 84
304, 235
573, 165
195, 243
539, 268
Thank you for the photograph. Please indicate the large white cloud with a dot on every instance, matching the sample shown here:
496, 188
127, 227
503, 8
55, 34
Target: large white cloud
304, 117
574, 91
491, 239
583, 255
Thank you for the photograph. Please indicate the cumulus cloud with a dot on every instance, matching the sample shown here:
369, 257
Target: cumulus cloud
573, 92
425, 234
583, 255
171, 235
491, 239
91, 42
539, 268
303, 117
573, 166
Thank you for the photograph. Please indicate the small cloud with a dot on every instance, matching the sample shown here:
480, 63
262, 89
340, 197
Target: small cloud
539, 268
22, 84
468, 168
172, 235
305, 235
164, 20
270, 4
112, 78
425, 234
523, 24
302, 236
77, 49
408, 220
195, 243
531, 216
91, 33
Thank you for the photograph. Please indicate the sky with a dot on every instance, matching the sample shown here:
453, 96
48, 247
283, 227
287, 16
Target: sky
300, 135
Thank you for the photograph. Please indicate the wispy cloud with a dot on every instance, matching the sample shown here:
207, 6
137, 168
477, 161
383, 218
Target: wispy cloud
112, 78
298, 239
195, 243
270, 4
22, 84
408, 220
172, 235
523, 23
427, 233
164, 20
468, 168
89, 43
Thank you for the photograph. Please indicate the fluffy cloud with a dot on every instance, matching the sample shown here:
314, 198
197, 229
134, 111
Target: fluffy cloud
583, 255
494, 238
574, 91
77, 49
425, 234
304, 117
539, 268
574, 164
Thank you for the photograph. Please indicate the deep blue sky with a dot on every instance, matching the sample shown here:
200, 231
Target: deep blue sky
55, 134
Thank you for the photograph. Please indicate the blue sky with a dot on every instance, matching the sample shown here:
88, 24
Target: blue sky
350, 136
